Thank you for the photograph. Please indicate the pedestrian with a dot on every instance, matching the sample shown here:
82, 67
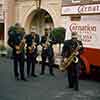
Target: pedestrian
16, 42
47, 53
32, 41
73, 46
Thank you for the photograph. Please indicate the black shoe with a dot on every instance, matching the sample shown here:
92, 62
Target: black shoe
76, 89
24, 79
70, 87
52, 74
16, 78
34, 75
41, 73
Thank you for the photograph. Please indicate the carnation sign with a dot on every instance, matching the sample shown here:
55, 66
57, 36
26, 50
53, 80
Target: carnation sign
81, 9
88, 32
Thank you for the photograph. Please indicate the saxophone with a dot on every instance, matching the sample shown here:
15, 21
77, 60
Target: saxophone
47, 43
72, 58
32, 47
20, 47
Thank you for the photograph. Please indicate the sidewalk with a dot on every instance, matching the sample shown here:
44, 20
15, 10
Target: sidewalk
43, 87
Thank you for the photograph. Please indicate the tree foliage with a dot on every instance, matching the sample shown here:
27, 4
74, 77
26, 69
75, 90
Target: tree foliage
58, 34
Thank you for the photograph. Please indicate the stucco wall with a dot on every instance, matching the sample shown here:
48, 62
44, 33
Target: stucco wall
24, 11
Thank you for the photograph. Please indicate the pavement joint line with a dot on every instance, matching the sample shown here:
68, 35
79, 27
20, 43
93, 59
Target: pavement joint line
60, 94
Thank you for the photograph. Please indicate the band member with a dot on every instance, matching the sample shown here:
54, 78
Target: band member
70, 46
32, 40
47, 53
16, 41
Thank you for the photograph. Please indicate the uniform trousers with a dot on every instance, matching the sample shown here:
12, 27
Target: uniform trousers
73, 76
31, 61
50, 62
19, 62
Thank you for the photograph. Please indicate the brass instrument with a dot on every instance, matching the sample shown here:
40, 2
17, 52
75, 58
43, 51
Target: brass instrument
72, 58
20, 47
47, 43
32, 48
66, 62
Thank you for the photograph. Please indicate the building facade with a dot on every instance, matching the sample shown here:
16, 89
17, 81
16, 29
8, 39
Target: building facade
38, 14
1, 21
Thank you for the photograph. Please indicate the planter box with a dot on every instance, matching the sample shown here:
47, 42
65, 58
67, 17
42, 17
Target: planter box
3, 52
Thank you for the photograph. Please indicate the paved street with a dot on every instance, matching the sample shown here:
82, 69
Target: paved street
44, 87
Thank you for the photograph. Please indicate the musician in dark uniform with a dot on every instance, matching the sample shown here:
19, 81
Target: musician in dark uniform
32, 40
16, 42
47, 53
70, 46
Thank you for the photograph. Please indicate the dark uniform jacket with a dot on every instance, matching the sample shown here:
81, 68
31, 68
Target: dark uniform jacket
49, 50
70, 46
14, 40
30, 39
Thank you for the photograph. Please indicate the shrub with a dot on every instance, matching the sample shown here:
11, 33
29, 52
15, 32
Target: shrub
58, 34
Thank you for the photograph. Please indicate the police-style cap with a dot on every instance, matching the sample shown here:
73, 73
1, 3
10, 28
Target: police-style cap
33, 30
74, 34
46, 30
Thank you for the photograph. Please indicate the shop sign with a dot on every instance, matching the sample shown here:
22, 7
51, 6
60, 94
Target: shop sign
87, 31
81, 9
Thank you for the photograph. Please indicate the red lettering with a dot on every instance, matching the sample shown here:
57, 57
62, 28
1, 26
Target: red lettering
86, 38
82, 28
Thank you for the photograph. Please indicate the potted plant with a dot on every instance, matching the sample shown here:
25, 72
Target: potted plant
57, 35
3, 50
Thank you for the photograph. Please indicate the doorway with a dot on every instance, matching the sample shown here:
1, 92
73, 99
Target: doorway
40, 19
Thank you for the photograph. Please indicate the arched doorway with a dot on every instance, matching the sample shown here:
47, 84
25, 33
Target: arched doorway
39, 19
